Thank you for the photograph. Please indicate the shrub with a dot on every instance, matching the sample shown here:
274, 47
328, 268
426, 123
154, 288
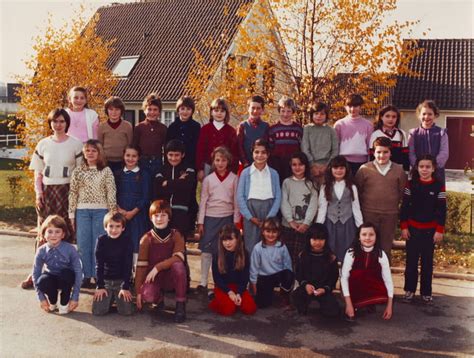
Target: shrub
458, 216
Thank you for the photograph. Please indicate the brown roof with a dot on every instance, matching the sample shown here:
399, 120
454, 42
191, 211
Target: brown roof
446, 76
163, 33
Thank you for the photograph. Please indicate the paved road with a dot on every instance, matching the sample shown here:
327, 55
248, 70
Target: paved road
444, 330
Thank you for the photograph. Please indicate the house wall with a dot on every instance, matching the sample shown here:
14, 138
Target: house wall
409, 119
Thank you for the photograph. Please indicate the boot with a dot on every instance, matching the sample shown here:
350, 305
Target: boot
180, 312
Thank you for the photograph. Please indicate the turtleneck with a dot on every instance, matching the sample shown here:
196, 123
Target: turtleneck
162, 233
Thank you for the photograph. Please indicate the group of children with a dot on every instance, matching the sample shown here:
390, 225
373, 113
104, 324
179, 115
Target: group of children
307, 200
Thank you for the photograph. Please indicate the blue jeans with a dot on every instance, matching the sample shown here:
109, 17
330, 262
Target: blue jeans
89, 226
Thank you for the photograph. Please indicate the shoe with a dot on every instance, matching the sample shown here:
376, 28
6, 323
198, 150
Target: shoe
201, 289
160, 306
408, 298
52, 307
349, 319
210, 295
28, 283
180, 312
63, 309
427, 300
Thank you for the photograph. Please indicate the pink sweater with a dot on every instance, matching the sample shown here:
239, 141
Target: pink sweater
354, 137
219, 199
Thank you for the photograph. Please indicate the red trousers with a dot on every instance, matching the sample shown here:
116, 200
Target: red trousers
224, 306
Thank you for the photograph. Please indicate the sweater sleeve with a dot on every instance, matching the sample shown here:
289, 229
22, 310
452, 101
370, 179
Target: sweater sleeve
218, 278
345, 272
100, 133
240, 141
177, 255
404, 210
305, 144
331, 277
237, 215
440, 210
76, 266
322, 206
255, 263
201, 149
37, 270
241, 189
110, 189
244, 276
128, 263
285, 207
356, 212
443, 154
204, 198
287, 265
129, 134
234, 150
411, 148
74, 193
142, 263
99, 262
144, 200
334, 145
312, 207
386, 274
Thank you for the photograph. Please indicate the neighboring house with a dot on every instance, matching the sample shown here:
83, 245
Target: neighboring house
446, 76
8, 98
154, 41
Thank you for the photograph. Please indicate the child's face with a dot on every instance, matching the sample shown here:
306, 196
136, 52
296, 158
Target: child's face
114, 229
338, 173
297, 168
427, 117
353, 111
286, 114
78, 100
185, 113
382, 155
130, 157
91, 154
152, 112
218, 114
319, 118
230, 244
317, 244
54, 235
58, 125
367, 237
174, 158
270, 236
389, 119
255, 110
220, 163
425, 169
260, 155
160, 220
114, 113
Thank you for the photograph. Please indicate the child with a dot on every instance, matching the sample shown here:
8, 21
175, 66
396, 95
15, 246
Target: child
149, 136
320, 143
161, 262
114, 268
230, 270
115, 134
258, 193
366, 279
270, 266
216, 133
84, 121
217, 208
63, 268
317, 273
133, 196
429, 138
353, 132
284, 138
339, 207
380, 184
422, 220
91, 196
388, 125
299, 204
252, 129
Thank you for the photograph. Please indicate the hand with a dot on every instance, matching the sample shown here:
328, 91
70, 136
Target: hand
73, 224
99, 294
256, 222
238, 300
350, 311
139, 301
39, 200
200, 230
126, 295
309, 289
200, 175
437, 237
73, 305
405, 234
165, 183
44, 305
302, 228
387, 313
294, 225
319, 292
151, 275
232, 296
253, 286
121, 211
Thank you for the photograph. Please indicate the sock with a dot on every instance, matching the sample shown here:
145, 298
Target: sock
206, 262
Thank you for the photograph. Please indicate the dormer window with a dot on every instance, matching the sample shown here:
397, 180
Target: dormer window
124, 66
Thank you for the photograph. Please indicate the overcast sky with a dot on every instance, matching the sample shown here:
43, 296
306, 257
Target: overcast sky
21, 21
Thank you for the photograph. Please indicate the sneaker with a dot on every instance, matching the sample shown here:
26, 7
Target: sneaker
52, 307
408, 298
63, 309
427, 300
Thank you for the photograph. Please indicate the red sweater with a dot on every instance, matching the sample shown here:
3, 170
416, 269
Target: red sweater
211, 138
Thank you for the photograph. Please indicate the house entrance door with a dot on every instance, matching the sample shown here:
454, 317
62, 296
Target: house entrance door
461, 142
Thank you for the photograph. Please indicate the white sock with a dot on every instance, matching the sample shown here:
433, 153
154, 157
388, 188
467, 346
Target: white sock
206, 262
134, 263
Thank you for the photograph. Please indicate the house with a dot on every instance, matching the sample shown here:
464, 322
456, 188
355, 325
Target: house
445, 69
154, 42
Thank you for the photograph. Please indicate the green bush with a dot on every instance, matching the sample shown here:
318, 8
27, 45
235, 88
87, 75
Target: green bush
458, 218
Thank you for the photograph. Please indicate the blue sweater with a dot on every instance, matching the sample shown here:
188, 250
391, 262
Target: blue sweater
268, 260
243, 190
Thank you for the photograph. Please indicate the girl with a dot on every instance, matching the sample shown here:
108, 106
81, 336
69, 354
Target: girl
217, 208
388, 125
422, 220
133, 196
299, 203
216, 133
53, 161
339, 207
366, 279
63, 270
91, 196
230, 270
429, 138
317, 273
270, 266
84, 121
258, 193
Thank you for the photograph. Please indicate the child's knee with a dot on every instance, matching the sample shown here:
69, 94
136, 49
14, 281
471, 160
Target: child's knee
178, 268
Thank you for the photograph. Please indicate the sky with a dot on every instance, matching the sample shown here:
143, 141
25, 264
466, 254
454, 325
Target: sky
21, 21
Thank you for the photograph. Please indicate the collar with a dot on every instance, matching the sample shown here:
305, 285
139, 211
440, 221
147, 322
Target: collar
49, 247
253, 168
296, 179
383, 170
114, 125
134, 170
254, 123
427, 182
218, 125
367, 249
223, 177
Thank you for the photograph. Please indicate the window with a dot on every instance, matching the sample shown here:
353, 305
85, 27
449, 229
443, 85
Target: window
125, 65
168, 117
129, 116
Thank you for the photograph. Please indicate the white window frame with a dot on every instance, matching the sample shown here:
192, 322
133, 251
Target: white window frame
171, 116
128, 63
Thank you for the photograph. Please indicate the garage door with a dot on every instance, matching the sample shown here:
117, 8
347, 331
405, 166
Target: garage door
461, 142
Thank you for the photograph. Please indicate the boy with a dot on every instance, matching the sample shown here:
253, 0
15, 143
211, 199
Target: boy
380, 184
115, 134
284, 138
353, 132
252, 129
160, 262
319, 142
114, 268
150, 135
63, 268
